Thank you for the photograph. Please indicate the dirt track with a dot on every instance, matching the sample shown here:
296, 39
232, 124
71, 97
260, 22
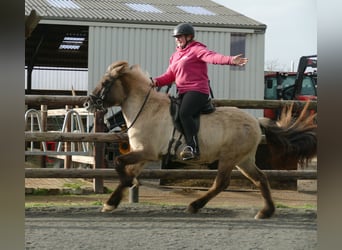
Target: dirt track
141, 226
225, 223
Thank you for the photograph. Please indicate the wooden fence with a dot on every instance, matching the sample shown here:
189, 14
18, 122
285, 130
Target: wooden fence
170, 174
244, 104
99, 138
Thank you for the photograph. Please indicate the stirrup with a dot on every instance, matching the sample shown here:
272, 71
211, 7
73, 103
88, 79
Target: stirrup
187, 153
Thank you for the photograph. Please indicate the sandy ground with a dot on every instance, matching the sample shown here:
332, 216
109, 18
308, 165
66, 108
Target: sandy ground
159, 221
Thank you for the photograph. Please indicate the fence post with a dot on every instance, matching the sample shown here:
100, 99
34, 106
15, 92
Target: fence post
67, 145
98, 151
43, 117
134, 194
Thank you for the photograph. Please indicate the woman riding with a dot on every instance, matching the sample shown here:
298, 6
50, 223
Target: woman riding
188, 69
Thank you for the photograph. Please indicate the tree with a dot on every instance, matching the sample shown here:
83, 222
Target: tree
273, 65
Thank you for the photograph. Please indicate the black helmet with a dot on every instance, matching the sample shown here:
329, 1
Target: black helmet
183, 29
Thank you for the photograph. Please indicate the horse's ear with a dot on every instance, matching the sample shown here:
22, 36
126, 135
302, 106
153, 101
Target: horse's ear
117, 68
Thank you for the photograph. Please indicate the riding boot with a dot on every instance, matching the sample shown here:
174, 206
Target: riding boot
196, 149
191, 150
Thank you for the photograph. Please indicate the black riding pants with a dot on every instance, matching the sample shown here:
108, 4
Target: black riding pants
191, 105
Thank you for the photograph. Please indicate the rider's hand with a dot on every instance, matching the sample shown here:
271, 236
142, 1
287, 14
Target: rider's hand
239, 60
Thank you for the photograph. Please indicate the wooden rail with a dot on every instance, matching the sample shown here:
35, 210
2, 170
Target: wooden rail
262, 104
247, 104
162, 174
54, 100
83, 137
75, 137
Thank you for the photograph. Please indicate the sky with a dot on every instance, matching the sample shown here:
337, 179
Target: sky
291, 28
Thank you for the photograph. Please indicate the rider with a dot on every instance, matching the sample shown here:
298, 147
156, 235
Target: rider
188, 68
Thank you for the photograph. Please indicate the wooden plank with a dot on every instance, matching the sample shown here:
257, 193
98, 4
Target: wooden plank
73, 137
55, 100
262, 104
81, 137
162, 174
249, 104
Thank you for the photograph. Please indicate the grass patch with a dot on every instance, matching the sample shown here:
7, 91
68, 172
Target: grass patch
62, 204
36, 205
74, 185
97, 203
64, 200
280, 205
40, 191
306, 206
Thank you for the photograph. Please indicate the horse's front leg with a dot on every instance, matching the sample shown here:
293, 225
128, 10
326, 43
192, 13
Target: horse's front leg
128, 167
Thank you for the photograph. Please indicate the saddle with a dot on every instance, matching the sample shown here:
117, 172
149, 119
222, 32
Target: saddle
174, 112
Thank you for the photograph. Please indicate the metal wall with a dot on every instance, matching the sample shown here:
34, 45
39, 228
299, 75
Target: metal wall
151, 46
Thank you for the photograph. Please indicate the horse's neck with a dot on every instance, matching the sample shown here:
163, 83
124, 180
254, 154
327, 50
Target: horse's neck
135, 102
130, 109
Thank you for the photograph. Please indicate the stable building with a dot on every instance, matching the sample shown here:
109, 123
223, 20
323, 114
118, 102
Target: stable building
86, 36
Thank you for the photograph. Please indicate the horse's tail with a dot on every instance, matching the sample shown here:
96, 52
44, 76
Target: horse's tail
292, 137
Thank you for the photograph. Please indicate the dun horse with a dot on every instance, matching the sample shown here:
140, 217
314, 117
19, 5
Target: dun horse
228, 135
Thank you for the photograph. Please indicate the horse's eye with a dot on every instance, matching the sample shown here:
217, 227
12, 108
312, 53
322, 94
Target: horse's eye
99, 102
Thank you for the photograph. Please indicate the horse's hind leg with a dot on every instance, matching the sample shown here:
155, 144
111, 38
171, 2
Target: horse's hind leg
253, 173
221, 182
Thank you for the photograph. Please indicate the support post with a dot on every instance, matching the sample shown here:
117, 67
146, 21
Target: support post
43, 117
67, 145
99, 151
134, 194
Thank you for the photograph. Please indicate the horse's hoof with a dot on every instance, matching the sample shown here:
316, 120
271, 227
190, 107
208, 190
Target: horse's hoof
262, 215
192, 210
107, 208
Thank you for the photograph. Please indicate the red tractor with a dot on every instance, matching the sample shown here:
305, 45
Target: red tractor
300, 85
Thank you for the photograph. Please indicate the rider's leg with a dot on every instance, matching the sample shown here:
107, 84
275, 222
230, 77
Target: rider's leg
192, 103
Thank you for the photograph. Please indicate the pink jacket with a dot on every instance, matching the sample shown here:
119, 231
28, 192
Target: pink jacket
188, 68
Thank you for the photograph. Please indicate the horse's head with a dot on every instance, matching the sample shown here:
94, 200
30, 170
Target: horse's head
109, 91
115, 86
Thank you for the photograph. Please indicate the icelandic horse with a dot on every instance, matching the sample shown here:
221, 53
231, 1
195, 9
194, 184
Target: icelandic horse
229, 135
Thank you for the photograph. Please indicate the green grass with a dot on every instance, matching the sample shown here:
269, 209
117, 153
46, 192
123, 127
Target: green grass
97, 203
306, 206
40, 191
42, 200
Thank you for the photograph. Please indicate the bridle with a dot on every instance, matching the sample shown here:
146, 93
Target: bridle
97, 102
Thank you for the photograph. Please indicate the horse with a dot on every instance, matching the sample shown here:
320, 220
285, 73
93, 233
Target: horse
229, 135
272, 154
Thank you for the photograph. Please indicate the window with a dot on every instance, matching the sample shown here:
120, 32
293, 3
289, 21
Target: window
63, 4
196, 10
238, 46
71, 43
143, 7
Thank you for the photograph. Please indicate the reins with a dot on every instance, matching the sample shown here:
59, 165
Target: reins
139, 112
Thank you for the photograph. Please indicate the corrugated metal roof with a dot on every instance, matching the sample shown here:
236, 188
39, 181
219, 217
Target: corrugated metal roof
119, 11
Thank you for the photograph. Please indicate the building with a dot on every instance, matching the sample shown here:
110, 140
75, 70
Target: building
90, 35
